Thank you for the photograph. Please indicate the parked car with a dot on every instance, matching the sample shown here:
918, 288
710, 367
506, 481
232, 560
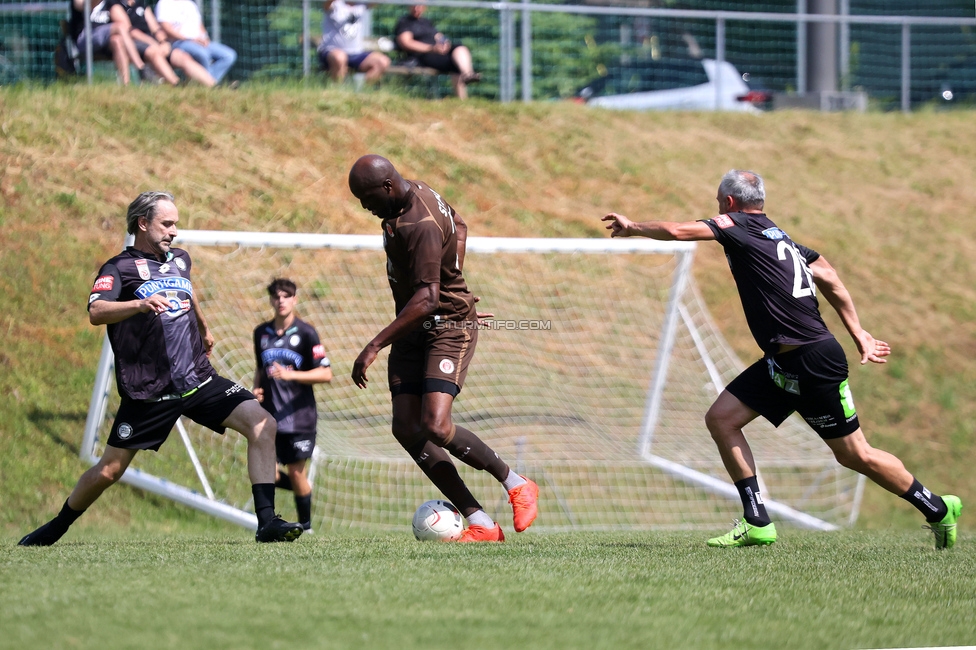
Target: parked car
673, 84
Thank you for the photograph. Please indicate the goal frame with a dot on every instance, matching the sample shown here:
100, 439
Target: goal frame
676, 315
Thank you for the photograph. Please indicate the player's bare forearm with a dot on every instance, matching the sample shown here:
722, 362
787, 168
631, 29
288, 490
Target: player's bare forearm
839, 298
308, 377
461, 229
205, 334
621, 226
421, 305
107, 312
256, 389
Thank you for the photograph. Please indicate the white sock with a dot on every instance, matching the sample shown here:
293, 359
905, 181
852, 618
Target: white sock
513, 480
480, 518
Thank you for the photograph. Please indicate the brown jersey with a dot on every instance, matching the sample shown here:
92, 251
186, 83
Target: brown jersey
421, 248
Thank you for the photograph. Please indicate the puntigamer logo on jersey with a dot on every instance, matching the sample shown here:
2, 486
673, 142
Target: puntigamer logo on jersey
171, 288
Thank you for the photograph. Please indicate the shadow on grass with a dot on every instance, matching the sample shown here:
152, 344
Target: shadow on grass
48, 423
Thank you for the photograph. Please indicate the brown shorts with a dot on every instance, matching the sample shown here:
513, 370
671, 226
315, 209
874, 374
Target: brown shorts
433, 360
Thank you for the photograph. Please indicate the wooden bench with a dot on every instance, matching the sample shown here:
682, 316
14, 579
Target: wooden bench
429, 76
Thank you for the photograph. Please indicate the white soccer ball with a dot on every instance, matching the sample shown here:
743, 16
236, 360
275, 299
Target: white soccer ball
437, 521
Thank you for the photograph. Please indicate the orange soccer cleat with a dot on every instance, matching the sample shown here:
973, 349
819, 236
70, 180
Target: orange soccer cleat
482, 534
525, 504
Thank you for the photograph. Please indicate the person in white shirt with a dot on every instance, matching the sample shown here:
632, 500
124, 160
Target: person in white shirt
183, 25
342, 44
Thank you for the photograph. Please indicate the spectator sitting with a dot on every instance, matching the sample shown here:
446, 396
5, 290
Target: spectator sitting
156, 49
342, 45
182, 23
419, 39
107, 38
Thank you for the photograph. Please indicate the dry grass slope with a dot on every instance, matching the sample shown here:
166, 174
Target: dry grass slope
886, 197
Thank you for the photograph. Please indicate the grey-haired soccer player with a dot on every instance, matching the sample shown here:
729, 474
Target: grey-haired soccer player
162, 343
803, 368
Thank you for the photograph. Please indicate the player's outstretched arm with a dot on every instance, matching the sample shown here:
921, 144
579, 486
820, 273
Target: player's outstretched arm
831, 287
621, 226
422, 304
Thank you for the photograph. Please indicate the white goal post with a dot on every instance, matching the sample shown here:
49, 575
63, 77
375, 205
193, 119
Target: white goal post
593, 378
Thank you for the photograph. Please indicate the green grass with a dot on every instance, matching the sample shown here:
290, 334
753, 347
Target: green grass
613, 590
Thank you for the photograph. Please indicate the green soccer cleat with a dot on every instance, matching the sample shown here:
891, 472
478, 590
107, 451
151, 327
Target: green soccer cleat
745, 534
945, 530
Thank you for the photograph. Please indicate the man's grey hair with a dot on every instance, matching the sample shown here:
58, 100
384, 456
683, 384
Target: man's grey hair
745, 187
145, 206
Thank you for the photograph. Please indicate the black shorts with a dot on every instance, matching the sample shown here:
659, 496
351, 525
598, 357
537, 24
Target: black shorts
293, 447
440, 62
146, 424
811, 380
432, 359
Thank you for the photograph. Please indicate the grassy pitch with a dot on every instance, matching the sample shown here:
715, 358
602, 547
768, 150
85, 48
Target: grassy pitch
593, 590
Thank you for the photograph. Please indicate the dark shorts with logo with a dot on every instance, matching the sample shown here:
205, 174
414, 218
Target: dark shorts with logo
293, 447
146, 424
811, 380
432, 359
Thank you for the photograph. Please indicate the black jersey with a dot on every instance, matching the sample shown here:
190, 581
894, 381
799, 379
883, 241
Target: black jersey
292, 404
135, 11
774, 282
155, 354
76, 20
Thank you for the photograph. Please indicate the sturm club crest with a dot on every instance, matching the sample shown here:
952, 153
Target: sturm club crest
125, 431
143, 267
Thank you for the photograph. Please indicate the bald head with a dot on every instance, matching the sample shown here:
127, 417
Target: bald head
378, 185
370, 171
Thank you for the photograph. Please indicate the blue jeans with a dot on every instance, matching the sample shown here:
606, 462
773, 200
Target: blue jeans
216, 57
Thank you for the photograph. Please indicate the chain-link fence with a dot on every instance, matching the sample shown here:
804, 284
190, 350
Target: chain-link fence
902, 54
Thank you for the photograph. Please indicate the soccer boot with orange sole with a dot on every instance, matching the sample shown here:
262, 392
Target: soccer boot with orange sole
525, 504
481, 534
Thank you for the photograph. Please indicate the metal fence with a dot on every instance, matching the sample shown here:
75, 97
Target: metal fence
533, 51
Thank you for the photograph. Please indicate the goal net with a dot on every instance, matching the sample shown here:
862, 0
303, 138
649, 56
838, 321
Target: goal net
593, 379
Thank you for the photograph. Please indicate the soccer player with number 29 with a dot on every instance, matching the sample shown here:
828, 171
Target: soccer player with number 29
803, 369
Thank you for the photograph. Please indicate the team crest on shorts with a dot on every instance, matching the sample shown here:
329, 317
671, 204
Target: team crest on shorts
446, 366
125, 431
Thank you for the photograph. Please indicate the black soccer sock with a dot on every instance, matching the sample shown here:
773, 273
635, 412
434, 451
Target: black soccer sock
472, 451
53, 530
752, 505
263, 494
437, 465
283, 481
930, 505
303, 506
